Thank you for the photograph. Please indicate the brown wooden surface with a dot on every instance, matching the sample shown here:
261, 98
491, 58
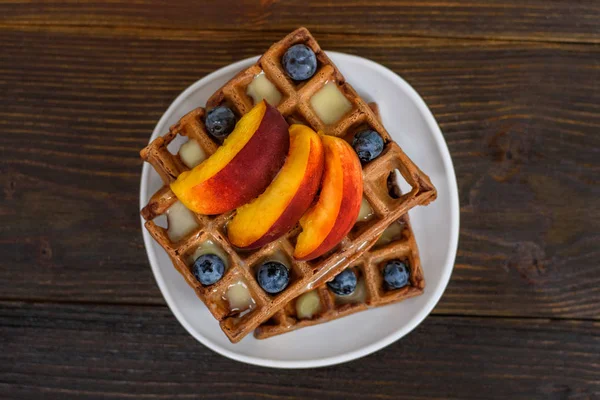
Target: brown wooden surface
515, 87
140, 352
540, 20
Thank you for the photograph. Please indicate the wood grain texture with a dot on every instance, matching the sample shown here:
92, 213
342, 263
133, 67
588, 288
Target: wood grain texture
520, 119
122, 352
82, 84
541, 20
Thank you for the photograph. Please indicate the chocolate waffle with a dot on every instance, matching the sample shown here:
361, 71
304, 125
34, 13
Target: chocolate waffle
241, 264
321, 305
386, 202
295, 105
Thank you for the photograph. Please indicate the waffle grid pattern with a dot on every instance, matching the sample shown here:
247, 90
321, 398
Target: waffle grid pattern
368, 267
242, 264
295, 107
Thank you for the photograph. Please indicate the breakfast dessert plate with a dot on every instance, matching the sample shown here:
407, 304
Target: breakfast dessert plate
412, 126
296, 225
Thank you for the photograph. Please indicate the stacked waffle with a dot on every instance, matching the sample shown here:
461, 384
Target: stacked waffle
237, 299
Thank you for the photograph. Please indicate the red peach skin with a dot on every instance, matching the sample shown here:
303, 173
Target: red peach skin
334, 214
290, 194
242, 168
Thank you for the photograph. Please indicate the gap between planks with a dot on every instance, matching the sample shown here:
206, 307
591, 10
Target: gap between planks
33, 302
117, 31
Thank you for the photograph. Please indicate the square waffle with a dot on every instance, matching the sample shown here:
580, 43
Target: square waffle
370, 293
387, 203
295, 105
242, 264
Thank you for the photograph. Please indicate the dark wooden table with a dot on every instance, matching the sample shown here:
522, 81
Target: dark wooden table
515, 87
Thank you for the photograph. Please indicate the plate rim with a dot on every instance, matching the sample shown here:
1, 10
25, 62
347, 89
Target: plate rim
365, 350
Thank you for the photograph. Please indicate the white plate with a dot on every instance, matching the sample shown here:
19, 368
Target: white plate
413, 127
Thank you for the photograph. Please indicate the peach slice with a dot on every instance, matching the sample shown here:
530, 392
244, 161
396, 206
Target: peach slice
290, 194
242, 168
326, 223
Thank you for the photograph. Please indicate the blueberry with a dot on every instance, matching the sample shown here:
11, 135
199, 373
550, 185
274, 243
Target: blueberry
344, 283
273, 277
396, 274
208, 269
220, 121
299, 62
368, 145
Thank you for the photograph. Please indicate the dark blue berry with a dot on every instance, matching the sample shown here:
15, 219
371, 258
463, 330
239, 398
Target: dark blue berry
273, 277
299, 62
396, 274
368, 145
344, 283
208, 269
220, 122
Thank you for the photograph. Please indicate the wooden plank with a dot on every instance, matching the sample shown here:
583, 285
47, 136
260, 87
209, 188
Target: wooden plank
541, 20
54, 351
521, 121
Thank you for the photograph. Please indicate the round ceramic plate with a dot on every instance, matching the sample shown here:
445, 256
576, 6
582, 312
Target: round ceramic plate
413, 127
